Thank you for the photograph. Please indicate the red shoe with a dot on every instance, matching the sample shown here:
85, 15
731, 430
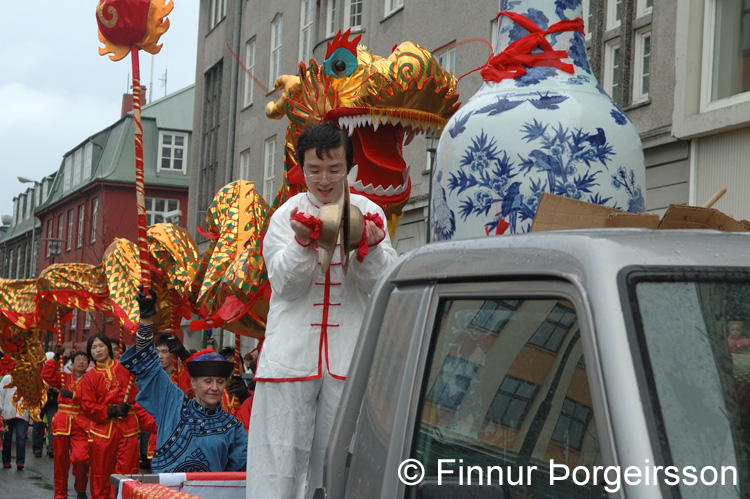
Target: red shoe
6, 465
19, 467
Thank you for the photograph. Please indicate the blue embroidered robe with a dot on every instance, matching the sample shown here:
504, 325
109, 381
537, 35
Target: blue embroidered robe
190, 437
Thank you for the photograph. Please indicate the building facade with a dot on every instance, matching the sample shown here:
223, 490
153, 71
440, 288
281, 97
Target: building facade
92, 199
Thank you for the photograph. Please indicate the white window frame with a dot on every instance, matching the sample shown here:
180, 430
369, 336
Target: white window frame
306, 18
152, 212
29, 203
77, 167
638, 69
392, 6
88, 152
74, 320
609, 55
247, 93
19, 264
612, 21
81, 216
10, 264
348, 15
447, 59
69, 245
331, 18
49, 234
586, 13
245, 165
269, 162
706, 88
217, 12
60, 231
274, 61
86, 320
94, 216
67, 173
172, 147
641, 8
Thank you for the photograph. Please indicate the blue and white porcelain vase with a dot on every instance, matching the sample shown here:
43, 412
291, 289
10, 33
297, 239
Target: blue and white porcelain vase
545, 126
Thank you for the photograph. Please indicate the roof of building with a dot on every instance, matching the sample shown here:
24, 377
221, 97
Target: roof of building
113, 150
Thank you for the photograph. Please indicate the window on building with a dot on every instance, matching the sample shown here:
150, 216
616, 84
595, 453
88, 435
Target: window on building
86, 320
306, 17
49, 236
74, 321
209, 159
572, 423
156, 208
587, 18
353, 15
70, 230
79, 236
10, 265
393, 5
432, 142
245, 164
511, 402
29, 204
644, 7
642, 66
447, 59
217, 12
94, 217
728, 48
57, 245
19, 264
88, 152
554, 329
452, 382
247, 95
277, 28
331, 18
614, 13
494, 314
77, 167
612, 69
67, 173
172, 147
268, 168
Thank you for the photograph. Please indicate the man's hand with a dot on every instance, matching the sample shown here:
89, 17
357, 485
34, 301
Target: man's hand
373, 233
65, 393
59, 351
301, 232
147, 306
122, 409
238, 388
176, 347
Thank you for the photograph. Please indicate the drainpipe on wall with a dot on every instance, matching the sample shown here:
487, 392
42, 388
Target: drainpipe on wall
229, 173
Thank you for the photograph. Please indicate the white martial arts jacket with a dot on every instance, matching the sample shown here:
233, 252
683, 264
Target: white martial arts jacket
314, 318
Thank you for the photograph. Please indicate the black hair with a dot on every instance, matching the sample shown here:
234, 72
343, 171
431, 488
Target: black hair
103, 339
227, 353
324, 137
79, 353
162, 340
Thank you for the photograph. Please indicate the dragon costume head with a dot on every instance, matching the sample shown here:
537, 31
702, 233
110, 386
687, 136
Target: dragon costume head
381, 102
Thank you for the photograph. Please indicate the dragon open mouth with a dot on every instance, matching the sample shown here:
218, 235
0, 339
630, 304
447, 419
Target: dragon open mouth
379, 170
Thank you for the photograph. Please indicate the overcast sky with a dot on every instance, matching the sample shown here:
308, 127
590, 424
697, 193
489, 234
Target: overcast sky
56, 90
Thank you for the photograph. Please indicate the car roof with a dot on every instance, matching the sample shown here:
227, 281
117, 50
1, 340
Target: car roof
572, 254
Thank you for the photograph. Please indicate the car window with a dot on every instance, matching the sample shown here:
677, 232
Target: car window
697, 355
507, 388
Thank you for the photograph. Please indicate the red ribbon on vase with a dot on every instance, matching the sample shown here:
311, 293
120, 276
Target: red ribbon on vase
363, 248
513, 61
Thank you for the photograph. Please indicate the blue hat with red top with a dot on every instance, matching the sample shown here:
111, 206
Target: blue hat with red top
208, 363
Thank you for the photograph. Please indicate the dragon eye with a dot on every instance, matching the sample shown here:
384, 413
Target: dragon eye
340, 63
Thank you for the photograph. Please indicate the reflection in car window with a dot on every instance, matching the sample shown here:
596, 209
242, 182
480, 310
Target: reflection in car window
518, 397
700, 372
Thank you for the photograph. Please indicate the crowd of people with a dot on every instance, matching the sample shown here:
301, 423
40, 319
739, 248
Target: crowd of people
163, 407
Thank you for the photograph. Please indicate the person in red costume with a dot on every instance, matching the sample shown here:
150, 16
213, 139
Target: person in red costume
108, 396
70, 428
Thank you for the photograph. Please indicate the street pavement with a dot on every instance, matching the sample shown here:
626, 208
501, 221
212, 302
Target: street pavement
36, 479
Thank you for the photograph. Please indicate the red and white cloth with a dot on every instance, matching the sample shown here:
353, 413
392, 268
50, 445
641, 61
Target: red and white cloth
219, 485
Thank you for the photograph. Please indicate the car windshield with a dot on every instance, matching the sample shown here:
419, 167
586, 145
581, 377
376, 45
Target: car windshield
693, 333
